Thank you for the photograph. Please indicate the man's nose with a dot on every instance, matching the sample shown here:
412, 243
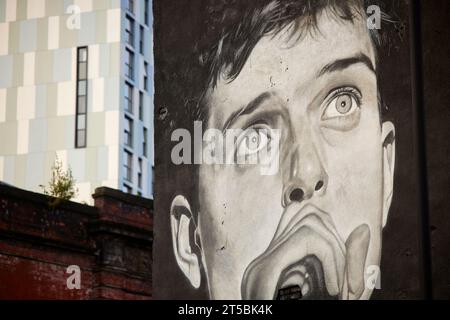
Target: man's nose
305, 175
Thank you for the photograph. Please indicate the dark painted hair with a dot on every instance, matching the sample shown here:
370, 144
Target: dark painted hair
242, 29
224, 39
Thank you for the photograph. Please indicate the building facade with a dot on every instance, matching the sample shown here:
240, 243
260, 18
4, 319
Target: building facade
76, 84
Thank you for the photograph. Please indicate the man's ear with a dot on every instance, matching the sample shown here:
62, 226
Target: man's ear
388, 142
180, 220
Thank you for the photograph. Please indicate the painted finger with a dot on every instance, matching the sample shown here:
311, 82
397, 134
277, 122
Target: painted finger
357, 246
261, 277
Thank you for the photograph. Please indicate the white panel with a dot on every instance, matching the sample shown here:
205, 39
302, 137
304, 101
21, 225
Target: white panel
27, 35
11, 7
23, 128
66, 99
53, 33
2, 105
74, 64
112, 128
113, 25
113, 162
8, 169
110, 184
4, 38
102, 163
35, 9
35, 171
84, 192
98, 95
62, 157
1, 169
76, 159
84, 5
29, 68
26, 103
93, 64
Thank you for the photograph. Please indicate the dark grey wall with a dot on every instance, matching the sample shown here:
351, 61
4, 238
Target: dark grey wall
436, 75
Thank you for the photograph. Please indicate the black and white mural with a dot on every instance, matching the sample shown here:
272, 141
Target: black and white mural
277, 150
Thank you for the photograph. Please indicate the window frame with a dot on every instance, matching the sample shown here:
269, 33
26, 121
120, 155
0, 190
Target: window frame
141, 105
146, 12
145, 75
129, 64
131, 6
129, 97
129, 33
129, 189
141, 40
81, 87
145, 143
140, 173
128, 133
128, 166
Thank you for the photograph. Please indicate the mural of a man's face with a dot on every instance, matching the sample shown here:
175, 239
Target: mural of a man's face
316, 223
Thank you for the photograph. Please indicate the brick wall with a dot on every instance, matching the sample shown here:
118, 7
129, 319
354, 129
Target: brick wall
111, 243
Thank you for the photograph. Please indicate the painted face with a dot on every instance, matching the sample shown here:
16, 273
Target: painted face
314, 225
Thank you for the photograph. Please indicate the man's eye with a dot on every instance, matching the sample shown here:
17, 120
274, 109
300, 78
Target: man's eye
253, 140
344, 103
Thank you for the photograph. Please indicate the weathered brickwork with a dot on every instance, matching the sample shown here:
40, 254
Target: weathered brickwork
111, 243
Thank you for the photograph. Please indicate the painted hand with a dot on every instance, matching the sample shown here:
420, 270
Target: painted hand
307, 251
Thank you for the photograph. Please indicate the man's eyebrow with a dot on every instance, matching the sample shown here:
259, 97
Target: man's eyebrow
342, 64
247, 109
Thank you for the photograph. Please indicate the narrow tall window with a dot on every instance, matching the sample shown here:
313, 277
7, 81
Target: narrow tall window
128, 97
128, 166
153, 179
81, 102
129, 63
131, 6
146, 12
144, 143
141, 106
127, 189
145, 76
128, 132
141, 40
129, 31
140, 173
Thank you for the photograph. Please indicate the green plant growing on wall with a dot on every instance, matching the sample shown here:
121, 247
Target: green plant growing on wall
61, 186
